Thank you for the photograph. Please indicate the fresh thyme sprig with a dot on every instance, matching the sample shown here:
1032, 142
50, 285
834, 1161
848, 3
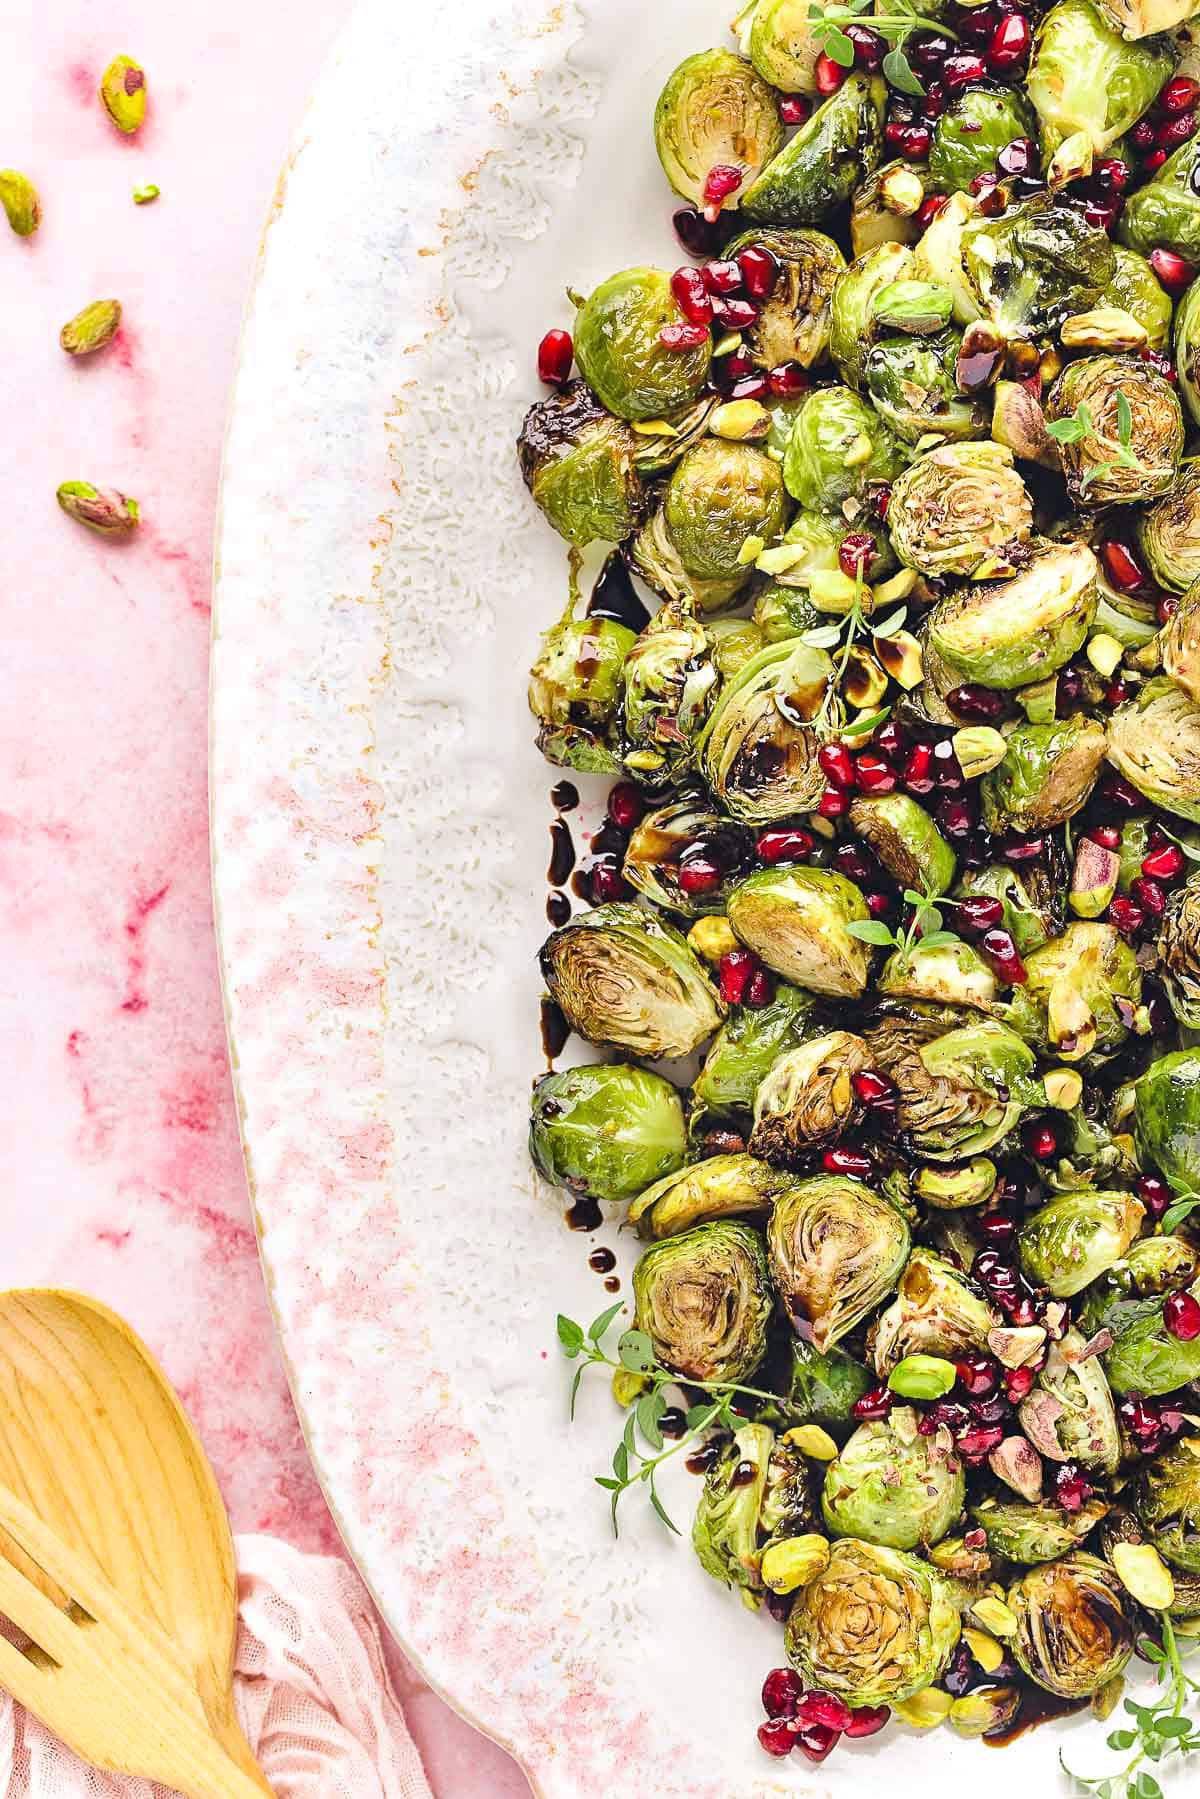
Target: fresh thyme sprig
926, 927
1080, 424
829, 22
1157, 1731
855, 624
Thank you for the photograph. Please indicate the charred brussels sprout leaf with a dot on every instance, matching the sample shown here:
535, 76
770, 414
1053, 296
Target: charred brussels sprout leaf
1154, 741
971, 133
725, 1531
1165, 213
807, 1098
1085, 77
1046, 776
579, 463
1169, 534
1162, 1265
660, 845
720, 495
574, 687
835, 1251
1145, 1358
1074, 1631
621, 976
912, 386
1032, 1533
960, 1091
1130, 448
950, 974
606, 1129
1136, 289
1081, 993
758, 752
1179, 953
737, 1186
795, 920
959, 507
875, 1627
936, 1311
838, 446
1070, 1242
618, 348
1069, 1415
905, 839
1167, 1502
668, 681
853, 302
747, 1046
1179, 641
714, 112
891, 1485
1008, 633
704, 1301
1166, 1117
819, 169
793, 324
1036, 265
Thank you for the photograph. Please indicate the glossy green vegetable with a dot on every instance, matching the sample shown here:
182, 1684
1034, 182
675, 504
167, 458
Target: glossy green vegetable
936, 1311
971, 133
852, 305
1035, 265
877, 1626
1074, 1630
725, 1533
837, 448
607, 1129
1165, 212
1187, 344
1008, 633
1031, 1533
758, 751
1108, 464
918, 308
747, 1045
794, 322
652, 555
905, 839
778, 37
1069, 1243
1179, 642
816, 172
668, 681
958, 507
574, 687
912, 386
1136, 289
659, 847
1145, 1357
622, 976
619, 352
961, 1090
1081, 993
836, 1250
822, 1386
795, 920
1166, 1117
891, 1485
1169, 534
1154, 741
807, 1099
951, 974
720, 495
1032, 898
579, 463
1167, 1502
1085, 77
714, 112
704, 1300
729, 1186
1179, 952
1046, 775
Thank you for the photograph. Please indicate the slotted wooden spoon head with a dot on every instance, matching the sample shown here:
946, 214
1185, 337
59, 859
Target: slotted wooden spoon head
95, 1443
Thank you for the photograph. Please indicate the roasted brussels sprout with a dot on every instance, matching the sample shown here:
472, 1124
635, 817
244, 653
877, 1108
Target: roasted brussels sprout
720, 495
747, 1046
971, 133
1187, 338
795, 920
853, 301
1161, 1265
1068, 1243
1047, 773
891, 1485
1169, 535
1008, 633
1167, 1502
823, 1385
793, 323
1122, 1526
1032, 1533
1032, 898
1084, 76
652, 555
1136, 289
607, 1129
662, 844
835, 1251
758, 751
1179, 641
875, 1627
782, 612
936, 1311
1035, 265
885, 208
1069, 1415
807, 1099
1080, 993
1073, 1629
949, 974
704, 1300
1179, 952
1154, 741
579, 463
1106, 465
913, 388
621, 976
667, 685
733, 1186
621, 356
905, 839
837, 448
574, 686
917, 308
1166, 1117
1145, 1356
1165, 212
1140, 18
715, 112
830, 154
959, 507
939, 254
960, 1090
778, 37
725, 1533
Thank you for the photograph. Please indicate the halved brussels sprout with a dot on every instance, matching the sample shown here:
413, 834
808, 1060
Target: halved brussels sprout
715, 112
816, 172
1069, 1416
1031, 1533
1168, 1503
1073, 1625
725, 1532
607, 1129
579, 463
1169, 535
1081, 992
1154, 741
778, 37
619, 352
1032, 897
1165, 212
891, 1485
914, 389
720, 495
1166, 1117
660, 846
1162, 1265
852, 305
951, 1189
875, 1627
918, 308
1036, 264
704, 1300
793, 323
949, 974
939, 254
905, 839
668, 681
747, 1046
574, 686
1187, 340
1084, 76
960, 1090
620, 975
794, 919
1008, 633
936, 1311
1145, 1357
1122, 1526
958, 507
1101, 468
823, 1385
1136, 289
835, 1250
1068, 1243
971, 133
1179, 642
807, 1099
758, 751
1179, 952
837, 448
735, 1186
1046, 776
885, 208
652, 555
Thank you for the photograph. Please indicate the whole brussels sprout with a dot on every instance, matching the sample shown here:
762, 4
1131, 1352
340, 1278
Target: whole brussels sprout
659, 848
1080, 994
1035, 265
579, 463
1069, 1415
891, 1485
1169, 535
747, 1046
1179, 642
1032, 898
823, 1386
837, 448
852, 305
875, 1627
1101, 469
778, 37
1084, 76
1136, 289
1046, 776
783, 612
1187, 342
725, 1532
835, 1251
807, 1099
620, 354
1168, 1503
1165, 212
652, 555
667, 685
1145, 1357
1069, 1243
817, 172
1040, 1532
913, 388
949, 974
936, 1311
905, 839
793, 322
574, 686
1073, 1629
1166, 1117
621, 976
607, 1129
960, 1091
1179, 952
1008, 633
958, 507
733, 1186
1154, 741
715, 112
758, 751
795, 919
704, 1300
971, 133
720, 495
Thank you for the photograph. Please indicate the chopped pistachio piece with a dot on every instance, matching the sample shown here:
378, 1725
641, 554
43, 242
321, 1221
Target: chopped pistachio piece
812, 1441
101, 509
711, 938
122, 93
92, 328
149, 190
1142, 1572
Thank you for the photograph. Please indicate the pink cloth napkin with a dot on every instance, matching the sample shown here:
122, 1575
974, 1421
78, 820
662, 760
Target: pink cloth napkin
312, 1691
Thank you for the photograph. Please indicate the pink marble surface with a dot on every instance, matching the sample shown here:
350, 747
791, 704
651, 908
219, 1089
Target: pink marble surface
119, 1151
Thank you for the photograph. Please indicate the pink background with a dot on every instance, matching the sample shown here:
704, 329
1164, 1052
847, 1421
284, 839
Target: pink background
119, 1150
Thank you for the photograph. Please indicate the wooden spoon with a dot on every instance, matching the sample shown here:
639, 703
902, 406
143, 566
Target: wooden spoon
113, 1492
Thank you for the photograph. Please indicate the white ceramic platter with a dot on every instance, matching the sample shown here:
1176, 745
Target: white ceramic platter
380, 828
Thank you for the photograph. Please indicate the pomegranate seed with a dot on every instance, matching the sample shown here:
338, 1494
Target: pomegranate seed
1173, 132
1003, 957
781, 1692
754, 387
848, 1161
979, 23
1179, 95
917, 774
1154, 161
1171, 1419
683, 337
927, 51
787, 381
855, 552
1181, 1315
881, 499
979, 913
890, 739
1070, 1487
852, 861
1167, 607
929, 208
976, 1444
998, 1227
836, 764
1008, 48
626, 807
697, 874
1138, 1417
1040, 1141
833, 803
760, 271
694, 231
1111, 175
865, 1720
961, 1672
981, 705
1116, 693
1068, 692
879, 905
824, 1708
1122, 566
936, 101
912, 141
783, 845
869, 47
1119, 792
815, 1741
1102, 215
955, 818
962, 67
947, 773
979, 1374
733, 974
828, 75
1020, 156
691, 296
606, 882
722, 277
1126, 915
734, 315
760, 990
987, 190
1174, 273
1107, 836
731, 369
776, 1738
1018, 1382
1142, 135
1164, 864
1154, 1194
556, 353
872, 1089
872, 773
1149, 896
875, 1404
794, 109
719, 185
1019, 850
